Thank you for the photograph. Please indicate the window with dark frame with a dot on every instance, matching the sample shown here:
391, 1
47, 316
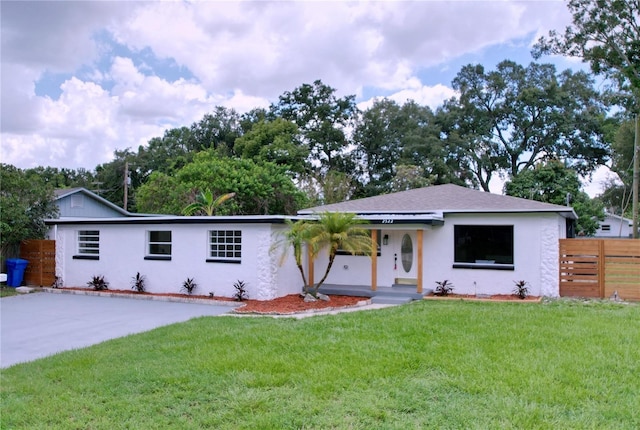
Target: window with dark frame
89, 243
605, 227
225, 246
159, 243
483, 244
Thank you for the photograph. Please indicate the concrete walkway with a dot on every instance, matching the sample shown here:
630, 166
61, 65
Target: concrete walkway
37, 325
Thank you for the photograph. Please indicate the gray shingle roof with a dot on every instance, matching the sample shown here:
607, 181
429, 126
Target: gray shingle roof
439, 198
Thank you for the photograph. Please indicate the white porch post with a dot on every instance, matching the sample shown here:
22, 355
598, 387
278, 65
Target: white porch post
374, 259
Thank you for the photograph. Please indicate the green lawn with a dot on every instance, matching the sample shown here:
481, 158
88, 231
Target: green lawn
431, 364
7, 291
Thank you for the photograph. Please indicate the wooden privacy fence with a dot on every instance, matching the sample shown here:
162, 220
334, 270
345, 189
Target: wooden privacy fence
600, 267
41, 254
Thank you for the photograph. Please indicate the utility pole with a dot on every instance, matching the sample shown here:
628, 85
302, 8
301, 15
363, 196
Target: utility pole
126, 184
636, 177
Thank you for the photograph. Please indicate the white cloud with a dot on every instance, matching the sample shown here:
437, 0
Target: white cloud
241, 54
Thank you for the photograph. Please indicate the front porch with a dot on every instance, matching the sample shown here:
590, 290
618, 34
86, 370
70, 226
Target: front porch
385, 295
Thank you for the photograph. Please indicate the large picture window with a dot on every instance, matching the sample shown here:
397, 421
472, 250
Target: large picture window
88, 245
225, 246
159, 245
483, 245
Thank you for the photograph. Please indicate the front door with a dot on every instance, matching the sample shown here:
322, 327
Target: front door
405, 258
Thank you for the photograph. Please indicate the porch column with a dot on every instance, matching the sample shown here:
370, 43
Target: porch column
309, 268
420, 234
374, 259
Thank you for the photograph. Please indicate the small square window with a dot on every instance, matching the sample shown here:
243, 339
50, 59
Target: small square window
225, 245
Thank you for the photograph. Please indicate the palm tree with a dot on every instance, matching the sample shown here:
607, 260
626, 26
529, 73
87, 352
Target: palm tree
296, 236
206, 204
338, 231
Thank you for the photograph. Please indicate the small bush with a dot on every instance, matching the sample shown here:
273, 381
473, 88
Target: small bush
98, 283
443, 288
241, 291
138, 283
521, 290
189, 286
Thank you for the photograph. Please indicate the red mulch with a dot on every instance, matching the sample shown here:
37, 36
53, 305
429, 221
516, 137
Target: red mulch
292, 303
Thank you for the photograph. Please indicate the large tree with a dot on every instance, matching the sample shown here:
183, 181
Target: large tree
276, 141
25, 202
260, 188
518, 116
604, 33
323, 120
552, 182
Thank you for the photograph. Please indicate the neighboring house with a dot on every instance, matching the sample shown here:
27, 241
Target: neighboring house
480, 242
615, 226
82, 203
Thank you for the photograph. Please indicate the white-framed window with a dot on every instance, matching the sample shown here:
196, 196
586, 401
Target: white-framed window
88, 244
159, 244
605, 227
225, 246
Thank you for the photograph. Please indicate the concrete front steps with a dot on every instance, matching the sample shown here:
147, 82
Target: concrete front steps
395, 295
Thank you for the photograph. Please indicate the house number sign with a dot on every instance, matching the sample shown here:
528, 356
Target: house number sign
387, 221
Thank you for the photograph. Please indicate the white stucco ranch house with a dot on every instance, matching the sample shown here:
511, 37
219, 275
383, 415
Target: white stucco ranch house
481, 242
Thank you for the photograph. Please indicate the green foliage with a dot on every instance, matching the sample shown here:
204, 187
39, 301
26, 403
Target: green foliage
604, 33
521, 290
275, 141
260, 189
552, 183
189, 286
162, 194
323, 120
138, 283
25, 202
98, 283
516, 116
337, 231
429, 365
241, 293
443, 288
206, 204
295, 238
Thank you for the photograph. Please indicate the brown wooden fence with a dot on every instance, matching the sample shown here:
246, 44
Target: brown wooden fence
41, 254
599, 268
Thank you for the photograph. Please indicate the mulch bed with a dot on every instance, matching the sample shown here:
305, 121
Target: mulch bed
290, 304
294, 303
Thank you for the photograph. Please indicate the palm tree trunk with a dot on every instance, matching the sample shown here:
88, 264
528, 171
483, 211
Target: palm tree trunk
332, 257
304, 278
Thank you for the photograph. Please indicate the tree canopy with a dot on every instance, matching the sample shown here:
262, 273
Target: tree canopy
552, 182
260, 188
515, 117
26, 201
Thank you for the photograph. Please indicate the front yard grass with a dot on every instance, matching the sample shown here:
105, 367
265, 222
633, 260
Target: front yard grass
7, 291
429, 364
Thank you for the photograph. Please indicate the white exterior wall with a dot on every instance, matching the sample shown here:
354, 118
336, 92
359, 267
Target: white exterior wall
535, 257
124, 246
618, 227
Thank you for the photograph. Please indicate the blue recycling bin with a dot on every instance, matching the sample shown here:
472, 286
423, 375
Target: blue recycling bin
15, 271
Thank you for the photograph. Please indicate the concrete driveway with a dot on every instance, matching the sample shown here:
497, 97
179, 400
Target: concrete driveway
40, 324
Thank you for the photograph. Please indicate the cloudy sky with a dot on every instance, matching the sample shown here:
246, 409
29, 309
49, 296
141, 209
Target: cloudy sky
80, 79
